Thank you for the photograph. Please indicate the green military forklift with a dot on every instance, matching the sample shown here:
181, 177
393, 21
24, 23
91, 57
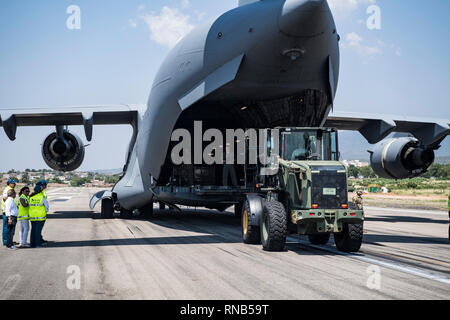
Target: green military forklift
306, 194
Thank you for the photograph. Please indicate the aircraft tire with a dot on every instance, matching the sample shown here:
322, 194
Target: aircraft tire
147, 211
107, 210
273, 226
350, 239
126, 214
319, 239
250, 234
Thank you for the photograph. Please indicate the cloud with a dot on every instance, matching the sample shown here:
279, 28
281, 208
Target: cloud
355, 41
185, 4
132, 23
169, 27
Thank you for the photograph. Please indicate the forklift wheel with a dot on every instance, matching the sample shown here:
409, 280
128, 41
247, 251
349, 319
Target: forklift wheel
250, 234
350, 239
273, 226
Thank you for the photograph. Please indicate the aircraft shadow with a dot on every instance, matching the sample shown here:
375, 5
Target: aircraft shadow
186, 240
70, 215
377, 238
406, 219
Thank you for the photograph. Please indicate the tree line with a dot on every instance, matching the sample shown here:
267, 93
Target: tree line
438, 171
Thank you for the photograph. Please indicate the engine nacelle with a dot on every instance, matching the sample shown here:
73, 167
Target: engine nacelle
65, 153
401, 158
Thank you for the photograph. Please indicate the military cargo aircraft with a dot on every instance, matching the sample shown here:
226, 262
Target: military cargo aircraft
263, 64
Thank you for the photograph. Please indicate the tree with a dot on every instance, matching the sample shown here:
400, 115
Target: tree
26, 179
367, 172
353, 172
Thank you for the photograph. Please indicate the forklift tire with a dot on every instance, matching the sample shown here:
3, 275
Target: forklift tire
319, 239
107, 209
350, 239
162, 206
147, 211
250, 234
126, 214
273, 226
238, 210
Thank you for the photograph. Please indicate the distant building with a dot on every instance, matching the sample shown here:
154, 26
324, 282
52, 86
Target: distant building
355, 163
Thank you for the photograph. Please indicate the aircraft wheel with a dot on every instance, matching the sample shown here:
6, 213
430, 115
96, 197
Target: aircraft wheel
147, 211
238, 210
162, 206
319, 239
126, 214
107, 209
273, 226
250, 234
350, 239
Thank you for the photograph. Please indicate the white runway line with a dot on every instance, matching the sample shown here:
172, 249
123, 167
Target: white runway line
420, 272
61, 198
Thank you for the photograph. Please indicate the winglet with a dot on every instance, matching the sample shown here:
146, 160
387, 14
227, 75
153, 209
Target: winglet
10, 127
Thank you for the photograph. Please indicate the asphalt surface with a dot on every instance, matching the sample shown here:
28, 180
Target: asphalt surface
198, 254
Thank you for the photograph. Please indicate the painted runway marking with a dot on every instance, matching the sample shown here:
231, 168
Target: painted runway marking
61, 199
420, 272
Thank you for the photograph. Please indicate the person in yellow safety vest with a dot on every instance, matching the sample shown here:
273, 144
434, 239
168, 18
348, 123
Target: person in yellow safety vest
38, 214
11, 184
43, 184
23, 204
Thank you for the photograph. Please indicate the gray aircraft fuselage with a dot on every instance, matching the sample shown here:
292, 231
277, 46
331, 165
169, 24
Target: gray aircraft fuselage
278, 58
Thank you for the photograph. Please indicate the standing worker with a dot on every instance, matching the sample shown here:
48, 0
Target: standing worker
358, 200
11, 213
11, 184
38, 214
43, 185
24, 209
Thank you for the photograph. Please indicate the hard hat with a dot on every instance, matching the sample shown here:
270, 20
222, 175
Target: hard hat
11, 181
42, 183
38, 188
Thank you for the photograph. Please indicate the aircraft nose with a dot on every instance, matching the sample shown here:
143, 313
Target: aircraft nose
304, 18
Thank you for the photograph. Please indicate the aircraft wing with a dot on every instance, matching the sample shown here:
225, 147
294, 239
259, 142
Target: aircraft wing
87, 116
375, 128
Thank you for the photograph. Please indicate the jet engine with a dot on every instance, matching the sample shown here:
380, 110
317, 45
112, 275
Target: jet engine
63, 151
401, 158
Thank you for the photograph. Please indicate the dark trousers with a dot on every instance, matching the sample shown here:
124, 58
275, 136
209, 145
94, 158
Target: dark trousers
10, 232
36, 233
5, 230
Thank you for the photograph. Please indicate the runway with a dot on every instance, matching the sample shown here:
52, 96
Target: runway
198, 254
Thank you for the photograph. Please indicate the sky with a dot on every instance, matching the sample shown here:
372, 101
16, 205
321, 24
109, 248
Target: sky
401, 68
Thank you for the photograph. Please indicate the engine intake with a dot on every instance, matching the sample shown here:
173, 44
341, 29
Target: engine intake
401, 158
63, 153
